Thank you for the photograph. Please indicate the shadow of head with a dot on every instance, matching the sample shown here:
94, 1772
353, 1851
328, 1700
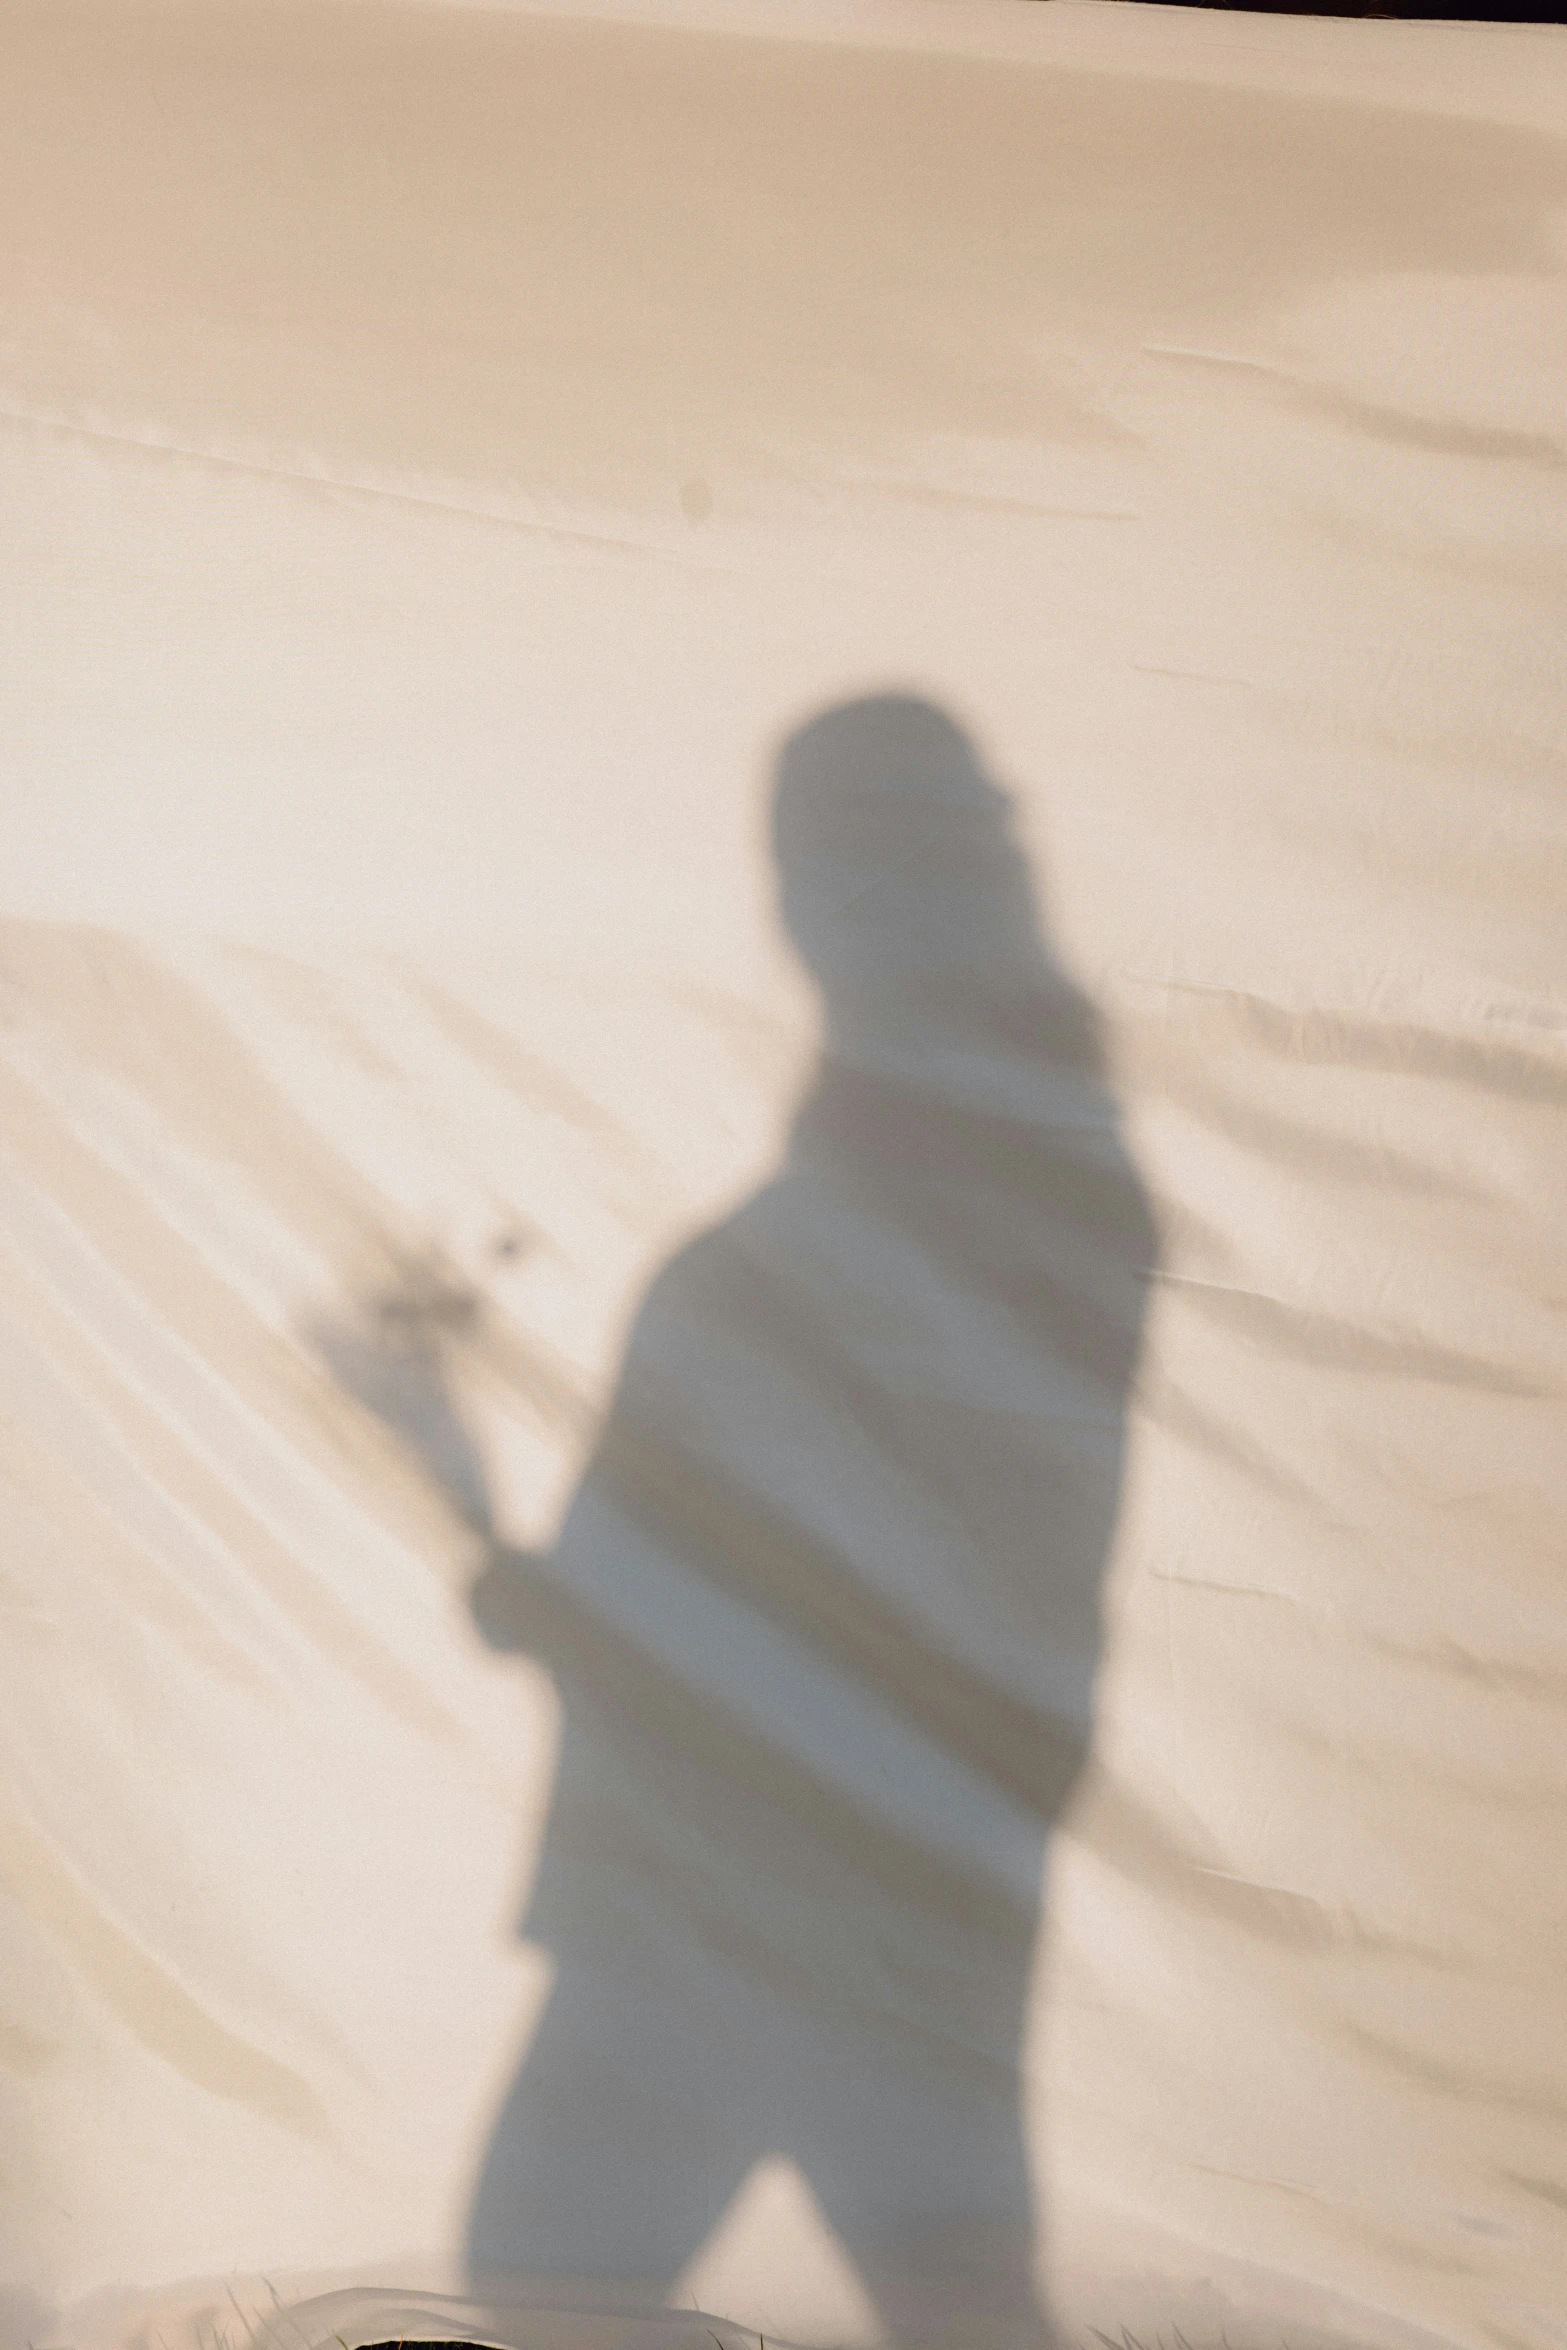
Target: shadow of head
899, 870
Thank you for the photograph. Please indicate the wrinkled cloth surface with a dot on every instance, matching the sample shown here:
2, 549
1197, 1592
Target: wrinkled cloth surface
781, 1098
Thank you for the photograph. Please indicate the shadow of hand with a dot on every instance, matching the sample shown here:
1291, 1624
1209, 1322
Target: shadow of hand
503, 1599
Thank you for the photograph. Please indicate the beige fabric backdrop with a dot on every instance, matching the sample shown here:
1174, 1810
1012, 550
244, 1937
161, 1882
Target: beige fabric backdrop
866, 1633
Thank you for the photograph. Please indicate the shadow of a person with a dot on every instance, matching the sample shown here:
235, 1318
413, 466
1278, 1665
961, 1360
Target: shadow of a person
824, 1612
